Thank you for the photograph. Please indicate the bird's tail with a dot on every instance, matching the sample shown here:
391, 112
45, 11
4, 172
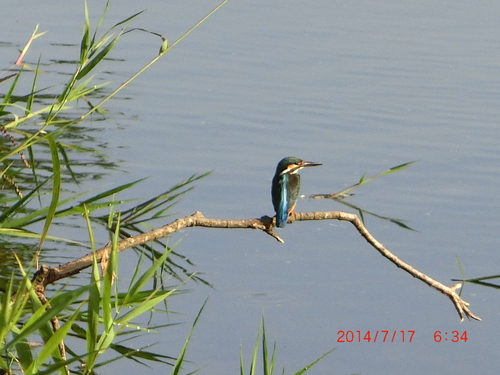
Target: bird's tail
281, 219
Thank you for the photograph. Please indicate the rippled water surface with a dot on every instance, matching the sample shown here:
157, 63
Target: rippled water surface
358, 86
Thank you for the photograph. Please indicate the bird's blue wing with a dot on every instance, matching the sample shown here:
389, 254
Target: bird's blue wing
282, 213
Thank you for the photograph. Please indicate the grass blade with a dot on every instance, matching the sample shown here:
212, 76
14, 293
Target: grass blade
84, 45
363, 180
56, 189
300, 372
52, 345
182, 355
97, 59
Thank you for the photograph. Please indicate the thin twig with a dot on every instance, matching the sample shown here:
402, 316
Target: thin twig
47, 275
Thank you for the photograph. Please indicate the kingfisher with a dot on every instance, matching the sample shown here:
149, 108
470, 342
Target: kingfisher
286, 186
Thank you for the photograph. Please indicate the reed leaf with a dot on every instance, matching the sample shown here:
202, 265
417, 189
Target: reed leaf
56, 190
180, 359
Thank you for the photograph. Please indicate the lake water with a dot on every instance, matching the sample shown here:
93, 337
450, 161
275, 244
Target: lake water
358, 86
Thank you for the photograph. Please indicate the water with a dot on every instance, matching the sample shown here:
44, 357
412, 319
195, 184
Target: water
358, 86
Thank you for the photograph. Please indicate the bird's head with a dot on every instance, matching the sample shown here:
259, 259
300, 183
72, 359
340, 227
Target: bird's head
291, 165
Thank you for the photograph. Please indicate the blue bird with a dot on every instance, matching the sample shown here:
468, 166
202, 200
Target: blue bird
286, 186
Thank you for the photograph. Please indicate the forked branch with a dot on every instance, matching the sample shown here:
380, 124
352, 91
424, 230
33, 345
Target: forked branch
47, 275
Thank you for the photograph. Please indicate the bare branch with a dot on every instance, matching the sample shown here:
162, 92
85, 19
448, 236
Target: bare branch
460, 305
47, 275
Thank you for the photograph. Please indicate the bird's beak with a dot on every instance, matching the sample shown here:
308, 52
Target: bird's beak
310, 164
294, 168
